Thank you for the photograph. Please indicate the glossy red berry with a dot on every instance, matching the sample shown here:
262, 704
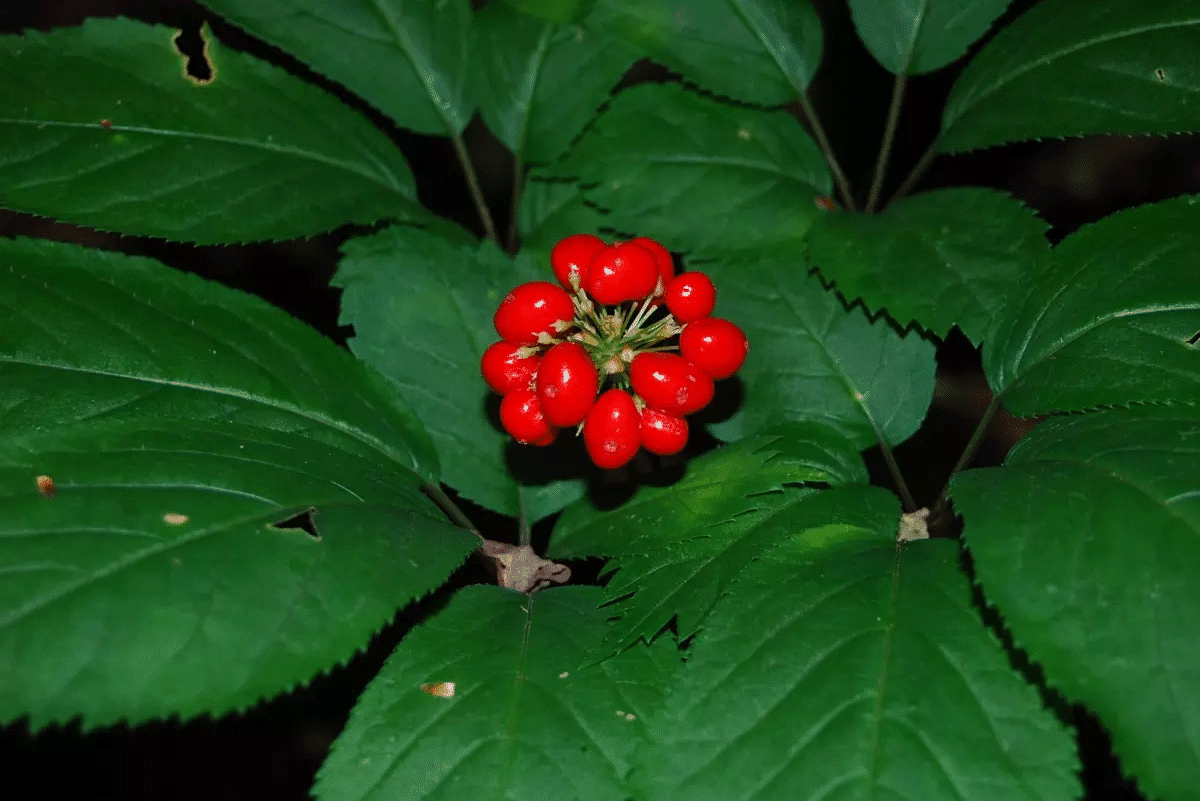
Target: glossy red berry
566, 384
538, 307
611, 432
669, 383
619, 273
573, 254
662, 258
664, 434
690, 296
716, 346
521, 415
507, 367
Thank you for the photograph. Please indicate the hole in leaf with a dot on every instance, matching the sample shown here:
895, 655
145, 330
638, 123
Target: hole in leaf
1194, 338
302, 521
1162, 76
192, 47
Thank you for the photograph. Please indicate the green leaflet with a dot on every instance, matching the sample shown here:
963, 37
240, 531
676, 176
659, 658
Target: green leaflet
540, 83
698, 175
409, 60
1092, 330
180, 422
758, 51
528, 719
919, 36
422, 310
100, 125
1076, 67
845, 666
1088, 542
940, 259
813, 360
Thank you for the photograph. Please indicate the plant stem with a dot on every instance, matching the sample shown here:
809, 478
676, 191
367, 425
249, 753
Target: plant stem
916, 174
889, 137
524, 533
447, 505
969, 451
839, 177
906, 497
514, 203
485, 215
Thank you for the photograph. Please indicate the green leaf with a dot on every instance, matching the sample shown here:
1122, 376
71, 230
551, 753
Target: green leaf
101, 125
552, 10
757, 51
918, 36
409, 60
1082, 67
527, 720
551, 210
1088, 542
718, 487
540, 83
422, 308
811, 359
181, 423
699, 175
1111, 319
940, 259
845, 667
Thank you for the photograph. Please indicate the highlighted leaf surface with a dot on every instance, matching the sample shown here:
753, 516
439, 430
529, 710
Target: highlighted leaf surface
699, 175
100, 125
180, 422
1088, 542
1112, 317
528, 719
919, 36
811, 360
422, 310
940, 259
1077, 67
409, 60
844, 667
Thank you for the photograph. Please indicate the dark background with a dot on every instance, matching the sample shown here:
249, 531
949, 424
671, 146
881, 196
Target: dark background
273, 750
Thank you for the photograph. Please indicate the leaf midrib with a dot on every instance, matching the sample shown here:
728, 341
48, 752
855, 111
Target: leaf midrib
347, 166
230, 392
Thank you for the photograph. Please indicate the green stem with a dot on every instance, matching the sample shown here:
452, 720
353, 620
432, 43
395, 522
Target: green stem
839, 177
906, 498
447, 505
525, 533
514, 203
969, 451
918, 171
889, 137
485, 215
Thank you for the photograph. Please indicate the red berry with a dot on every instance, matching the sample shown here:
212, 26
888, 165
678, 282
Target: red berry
690, 296
567, 383
662, 258
538, 307
663, 434
521, 415
572, 255
716, 346
507, 367
611, 430
669, 383
621, 272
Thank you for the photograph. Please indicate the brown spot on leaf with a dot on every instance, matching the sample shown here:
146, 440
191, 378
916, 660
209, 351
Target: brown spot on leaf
46, 487
826, 203
175, 519
105, 123
442, 689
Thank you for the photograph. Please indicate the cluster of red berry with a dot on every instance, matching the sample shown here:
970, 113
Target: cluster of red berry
557, 342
